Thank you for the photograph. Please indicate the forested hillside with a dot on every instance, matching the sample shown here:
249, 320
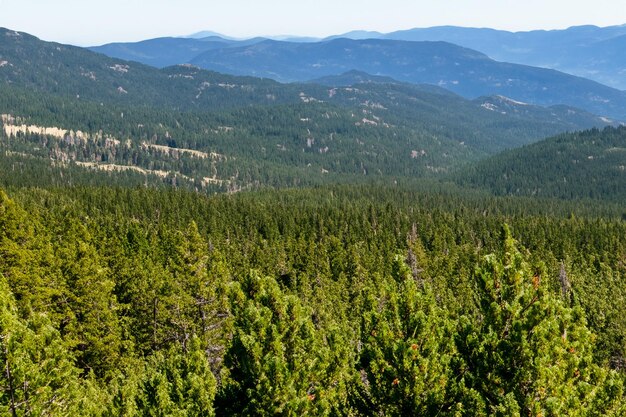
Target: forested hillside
589, 164
343, 301
179, 242
87, 119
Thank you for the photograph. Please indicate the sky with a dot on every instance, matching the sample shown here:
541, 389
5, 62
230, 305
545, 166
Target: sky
95, 22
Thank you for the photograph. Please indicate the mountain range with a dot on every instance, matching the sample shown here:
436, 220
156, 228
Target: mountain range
401, 56
461, 70
587, 51
168, 122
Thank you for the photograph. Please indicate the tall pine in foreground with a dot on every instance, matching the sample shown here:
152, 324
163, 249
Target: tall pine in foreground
407, 349
278, 363
525, 351
38, 375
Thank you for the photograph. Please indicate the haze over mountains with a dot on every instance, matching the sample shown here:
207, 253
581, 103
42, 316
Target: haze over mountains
420, 56
586, 51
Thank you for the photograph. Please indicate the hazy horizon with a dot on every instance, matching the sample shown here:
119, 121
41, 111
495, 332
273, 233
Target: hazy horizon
94, 23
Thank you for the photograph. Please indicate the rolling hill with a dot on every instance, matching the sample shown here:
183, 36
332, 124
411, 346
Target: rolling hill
461, 70
589, 164
167, 123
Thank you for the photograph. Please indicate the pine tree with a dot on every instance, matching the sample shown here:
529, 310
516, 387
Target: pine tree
93, 327
524, 351
178, 383
407, 348
277, 363
24, 250
38, 375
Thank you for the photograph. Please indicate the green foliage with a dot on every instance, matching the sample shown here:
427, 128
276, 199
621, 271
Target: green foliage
581, 165
38, 373
278, 362
407, 349
178, 383
524, 351
146, 302
92, 324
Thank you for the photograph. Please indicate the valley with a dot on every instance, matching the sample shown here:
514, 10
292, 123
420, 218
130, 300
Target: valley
363, 225
352, 127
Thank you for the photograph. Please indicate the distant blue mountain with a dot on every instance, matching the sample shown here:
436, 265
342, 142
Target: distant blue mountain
165, 52
161, 52
292, 38
358, 34
461, 70
288, 38
587, 51
208, 34
423, 56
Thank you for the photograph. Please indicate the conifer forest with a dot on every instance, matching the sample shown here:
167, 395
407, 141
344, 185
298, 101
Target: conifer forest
180, 242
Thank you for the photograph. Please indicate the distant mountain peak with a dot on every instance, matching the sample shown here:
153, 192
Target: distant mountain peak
208, 34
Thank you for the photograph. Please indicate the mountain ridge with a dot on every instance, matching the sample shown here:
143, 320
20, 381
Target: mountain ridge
267, 132
554, 49
577, 50
573, 50
464, 71
581, 165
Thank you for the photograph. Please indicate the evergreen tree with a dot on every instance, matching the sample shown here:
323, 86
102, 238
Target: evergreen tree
92, 326
277, 362
525, 351
38, 375
178, 383
407, 349
26, 259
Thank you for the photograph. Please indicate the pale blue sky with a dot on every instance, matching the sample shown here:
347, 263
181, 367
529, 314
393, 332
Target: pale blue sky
92, 22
